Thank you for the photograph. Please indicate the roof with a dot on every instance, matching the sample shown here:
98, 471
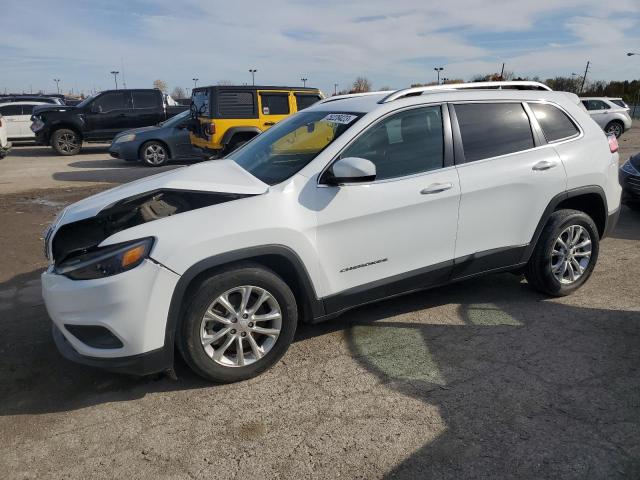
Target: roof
23, 102
256, 87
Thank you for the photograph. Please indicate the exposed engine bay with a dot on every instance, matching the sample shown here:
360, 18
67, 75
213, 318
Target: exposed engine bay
80, 237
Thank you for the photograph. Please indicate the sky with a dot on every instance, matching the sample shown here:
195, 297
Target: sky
392, 43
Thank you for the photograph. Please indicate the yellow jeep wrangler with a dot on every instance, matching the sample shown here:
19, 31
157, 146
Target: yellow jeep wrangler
229, 116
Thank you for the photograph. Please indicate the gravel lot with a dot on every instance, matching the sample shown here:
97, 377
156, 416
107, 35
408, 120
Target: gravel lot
482, 379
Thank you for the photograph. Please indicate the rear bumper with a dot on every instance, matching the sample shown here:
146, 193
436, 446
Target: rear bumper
630, 187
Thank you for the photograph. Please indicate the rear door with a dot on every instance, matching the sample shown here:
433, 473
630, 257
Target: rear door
273, 107
148, 109
599, 111
11, 114
506, 183
108, 115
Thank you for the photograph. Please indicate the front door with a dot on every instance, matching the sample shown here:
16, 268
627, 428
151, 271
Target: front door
274, 106
398, 232
108, 115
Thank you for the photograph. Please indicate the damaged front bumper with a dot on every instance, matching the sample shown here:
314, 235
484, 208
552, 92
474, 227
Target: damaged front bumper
116, 322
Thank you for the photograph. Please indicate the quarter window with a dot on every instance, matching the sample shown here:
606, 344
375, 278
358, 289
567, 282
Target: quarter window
275, 104
305, 101
555, 124
404, 144
493, 129
236, 104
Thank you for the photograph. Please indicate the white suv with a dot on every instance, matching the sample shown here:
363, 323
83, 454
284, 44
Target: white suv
355, 199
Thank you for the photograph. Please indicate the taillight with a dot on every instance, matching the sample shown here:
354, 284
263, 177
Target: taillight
613, 143
210, 129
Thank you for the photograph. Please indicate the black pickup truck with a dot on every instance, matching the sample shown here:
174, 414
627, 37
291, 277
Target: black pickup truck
99, 118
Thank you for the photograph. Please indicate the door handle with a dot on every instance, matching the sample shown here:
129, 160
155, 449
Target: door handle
544, 165
269, 123
436, 188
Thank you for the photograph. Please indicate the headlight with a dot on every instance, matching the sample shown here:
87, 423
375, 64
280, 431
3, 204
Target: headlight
106, 261
628, 168
125, 138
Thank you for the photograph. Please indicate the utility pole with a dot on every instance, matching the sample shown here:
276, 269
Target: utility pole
335, 88
304, 81
115, 77
253, 71
502, 72
584, 78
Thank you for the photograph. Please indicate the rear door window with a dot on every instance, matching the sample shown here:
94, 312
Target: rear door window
27, 109
9, 110
236, 104
304, 100
275, 103
145, 99
555, 124
493, 129
595, 105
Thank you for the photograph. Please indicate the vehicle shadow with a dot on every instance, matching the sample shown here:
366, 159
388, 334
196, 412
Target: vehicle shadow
628, 227
31, 150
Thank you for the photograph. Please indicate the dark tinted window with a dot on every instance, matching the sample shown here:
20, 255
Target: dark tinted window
275, 103
200, 102
27, 109
236, 104
403, 144
8, 110
554, 122
145, 99
493, 129
110, 101
595, 105
619, 103
304, 101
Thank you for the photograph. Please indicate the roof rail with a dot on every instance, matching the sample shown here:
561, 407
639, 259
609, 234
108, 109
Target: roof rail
514, 85
352, 95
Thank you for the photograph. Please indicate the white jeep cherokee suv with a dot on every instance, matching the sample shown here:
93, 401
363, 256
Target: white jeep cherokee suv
355, 199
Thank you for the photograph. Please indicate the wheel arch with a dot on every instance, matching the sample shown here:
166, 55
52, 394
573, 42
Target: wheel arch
68, 126
229, 134
278, 258
589, 199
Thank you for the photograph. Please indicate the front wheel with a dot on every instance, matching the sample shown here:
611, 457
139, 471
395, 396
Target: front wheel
565, 255
239, 323
66, 142
154, 154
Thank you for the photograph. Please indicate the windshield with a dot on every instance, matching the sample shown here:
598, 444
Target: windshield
174, 121
84, 102
283, 150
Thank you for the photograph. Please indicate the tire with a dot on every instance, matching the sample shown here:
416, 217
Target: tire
615, 127
210, 345
66, 142
154, 154
539, 271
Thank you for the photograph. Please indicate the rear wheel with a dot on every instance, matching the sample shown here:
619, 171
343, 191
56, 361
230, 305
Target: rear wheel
616, 128
236, 142
565, 255
66, 142
239, 323
154, 154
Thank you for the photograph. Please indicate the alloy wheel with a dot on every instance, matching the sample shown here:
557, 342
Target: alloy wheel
67, 142
615, 129
241, 326
154, 154
571, 254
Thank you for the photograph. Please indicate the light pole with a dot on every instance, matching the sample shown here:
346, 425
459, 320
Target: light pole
115, 77
57, 80
195, 82
253, 71
438, 70
304, 82
335, 88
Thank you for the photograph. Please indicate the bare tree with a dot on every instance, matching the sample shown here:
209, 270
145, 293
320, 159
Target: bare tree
160, 85
178, 92
361, 85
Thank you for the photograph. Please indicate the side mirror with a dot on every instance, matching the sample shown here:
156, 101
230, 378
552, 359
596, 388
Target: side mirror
351, 170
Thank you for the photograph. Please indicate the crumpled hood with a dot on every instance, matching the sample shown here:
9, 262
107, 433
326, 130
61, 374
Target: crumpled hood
221, 176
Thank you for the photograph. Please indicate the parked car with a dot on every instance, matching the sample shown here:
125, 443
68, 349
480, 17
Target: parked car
612, 117
630, 181
99, 118
5, 144
352, 200
31, 98
18, 118
230, 116
156, 146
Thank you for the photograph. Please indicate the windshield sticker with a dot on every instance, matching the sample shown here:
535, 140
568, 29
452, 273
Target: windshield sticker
341, 118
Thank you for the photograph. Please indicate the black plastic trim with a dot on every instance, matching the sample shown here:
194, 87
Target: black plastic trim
228, 135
